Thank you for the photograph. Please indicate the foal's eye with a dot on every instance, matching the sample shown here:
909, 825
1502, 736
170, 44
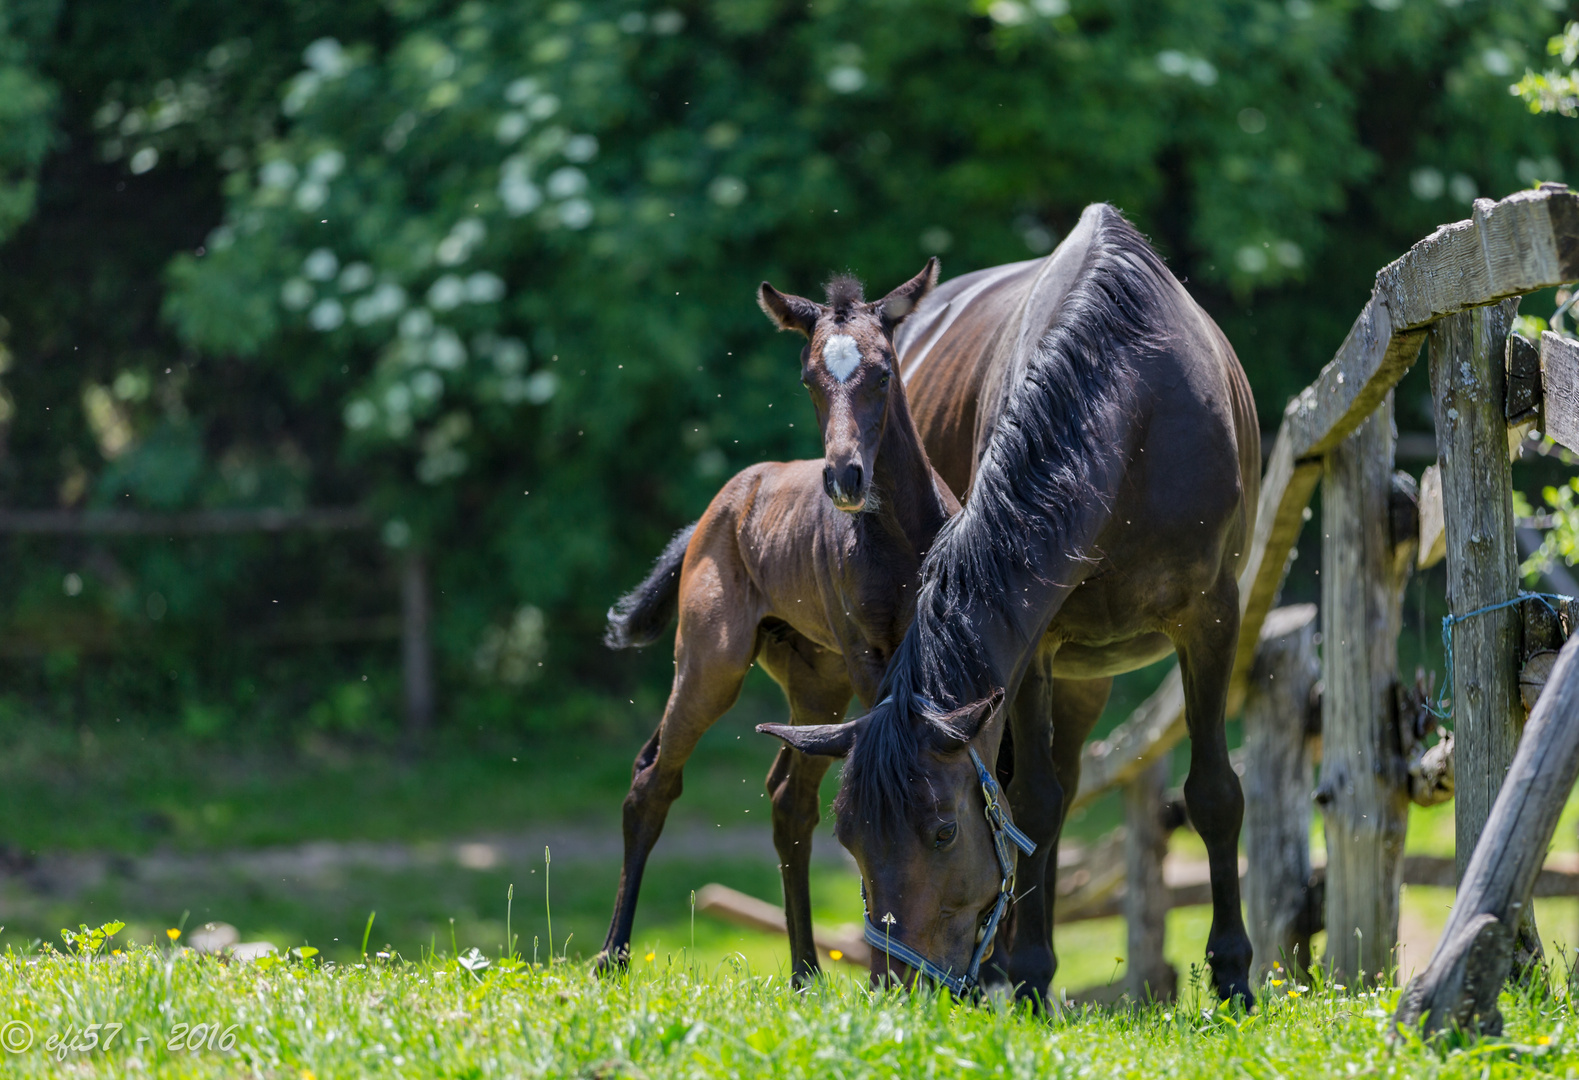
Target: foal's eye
884, 380
946, 834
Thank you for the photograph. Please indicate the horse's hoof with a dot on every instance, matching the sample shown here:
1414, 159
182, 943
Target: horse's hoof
1237, 992
612, 962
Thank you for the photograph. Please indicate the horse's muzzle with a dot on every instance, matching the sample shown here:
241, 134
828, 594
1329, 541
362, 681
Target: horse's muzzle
845, 485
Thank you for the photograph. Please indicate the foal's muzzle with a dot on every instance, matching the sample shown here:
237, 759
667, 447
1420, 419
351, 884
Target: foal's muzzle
845, 485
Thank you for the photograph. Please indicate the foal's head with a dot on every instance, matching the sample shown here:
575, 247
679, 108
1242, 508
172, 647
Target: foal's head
848, 364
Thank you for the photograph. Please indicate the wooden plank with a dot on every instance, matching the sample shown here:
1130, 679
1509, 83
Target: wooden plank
742, 909
1459, 986
1524, 380
1433, 534
1278, 780
1364, 794
1528, 241
1560, 388
1467, 383
1148, 975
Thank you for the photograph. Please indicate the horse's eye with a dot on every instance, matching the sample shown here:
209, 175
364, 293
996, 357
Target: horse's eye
884, 380
946, 834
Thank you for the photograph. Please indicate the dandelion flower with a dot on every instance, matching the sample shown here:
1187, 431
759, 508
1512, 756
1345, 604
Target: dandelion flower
651, 957
835, 954
1293, 993
1544, 1040
172, 933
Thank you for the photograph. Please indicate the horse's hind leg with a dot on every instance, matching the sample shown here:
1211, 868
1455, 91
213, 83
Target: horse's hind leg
1205, 643
819, 692
711, 661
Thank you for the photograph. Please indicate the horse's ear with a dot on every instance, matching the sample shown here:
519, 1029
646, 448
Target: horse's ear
897, 305
821, 740
789, 312
956, 729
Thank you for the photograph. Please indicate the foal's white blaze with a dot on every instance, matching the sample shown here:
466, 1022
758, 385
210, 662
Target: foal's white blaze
841, 356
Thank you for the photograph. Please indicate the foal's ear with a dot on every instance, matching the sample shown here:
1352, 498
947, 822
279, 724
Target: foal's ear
789, 312
822, 740
957, 728
897, 305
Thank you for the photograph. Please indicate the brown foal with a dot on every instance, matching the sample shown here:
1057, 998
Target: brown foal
807, 568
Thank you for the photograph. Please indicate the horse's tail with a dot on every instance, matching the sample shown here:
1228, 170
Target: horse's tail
644, 613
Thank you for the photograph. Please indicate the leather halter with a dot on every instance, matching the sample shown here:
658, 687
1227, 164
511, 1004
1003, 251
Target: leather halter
1004, 834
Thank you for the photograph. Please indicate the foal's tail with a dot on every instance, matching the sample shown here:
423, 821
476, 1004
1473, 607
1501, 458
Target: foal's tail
640, 616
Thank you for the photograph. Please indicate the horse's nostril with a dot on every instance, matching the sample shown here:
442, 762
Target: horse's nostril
852, 478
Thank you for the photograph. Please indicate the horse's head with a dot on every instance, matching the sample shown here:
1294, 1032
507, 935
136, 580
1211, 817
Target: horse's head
848, 365
911, 811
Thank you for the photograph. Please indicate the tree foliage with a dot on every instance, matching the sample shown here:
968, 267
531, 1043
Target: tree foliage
487, 268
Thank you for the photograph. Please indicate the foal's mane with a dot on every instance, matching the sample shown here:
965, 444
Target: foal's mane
1066, 411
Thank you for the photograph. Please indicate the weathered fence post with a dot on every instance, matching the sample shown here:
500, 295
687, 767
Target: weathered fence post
1364, 791
1148, 975
1472, 961
1467, 387
415, 648
1278, 786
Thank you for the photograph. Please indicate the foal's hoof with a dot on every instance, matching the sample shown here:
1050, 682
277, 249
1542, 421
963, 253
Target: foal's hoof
612, 962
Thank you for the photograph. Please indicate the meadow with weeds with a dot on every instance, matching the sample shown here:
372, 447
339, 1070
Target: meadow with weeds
161, 1010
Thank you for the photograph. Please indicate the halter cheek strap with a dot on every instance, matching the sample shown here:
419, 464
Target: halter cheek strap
1005, 837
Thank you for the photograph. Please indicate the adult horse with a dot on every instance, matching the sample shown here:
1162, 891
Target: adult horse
1105, 433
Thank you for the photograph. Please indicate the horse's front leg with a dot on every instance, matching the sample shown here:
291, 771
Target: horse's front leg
1205, 640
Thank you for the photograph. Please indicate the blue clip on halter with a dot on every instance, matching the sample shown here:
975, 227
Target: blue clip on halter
1004, 834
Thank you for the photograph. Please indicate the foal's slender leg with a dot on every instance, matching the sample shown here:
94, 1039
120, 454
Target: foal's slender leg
1205, 643
819, 692
711, 661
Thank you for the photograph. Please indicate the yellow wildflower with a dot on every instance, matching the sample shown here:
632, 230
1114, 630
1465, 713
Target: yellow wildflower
172, 933
835, 954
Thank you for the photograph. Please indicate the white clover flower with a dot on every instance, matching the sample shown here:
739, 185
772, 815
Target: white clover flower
846, 79
326, 165
575, 213
326, 315
445, 351
416, 324
311, 195
521, 91
277, 174
296, 294
320, 265
356, 277
519, 195
447, 293
397, 399
384, 302
426, 386
360, 414
484, 287
326, 57
303, 88
566, 182
510, 356
510, 127
727, 190
581, 148
540, 386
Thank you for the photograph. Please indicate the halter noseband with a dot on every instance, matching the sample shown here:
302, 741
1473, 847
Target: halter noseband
1004, 834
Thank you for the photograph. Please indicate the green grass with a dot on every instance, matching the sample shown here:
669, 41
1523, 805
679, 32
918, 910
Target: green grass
670, 1018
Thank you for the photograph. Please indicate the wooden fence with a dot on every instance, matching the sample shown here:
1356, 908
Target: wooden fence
411, 626
1456, 290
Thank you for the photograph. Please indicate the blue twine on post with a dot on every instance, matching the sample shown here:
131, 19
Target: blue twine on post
1439, 710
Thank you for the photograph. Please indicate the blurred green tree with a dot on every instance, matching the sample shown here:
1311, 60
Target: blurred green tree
487, 268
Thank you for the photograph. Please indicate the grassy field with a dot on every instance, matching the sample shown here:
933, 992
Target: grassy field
168, 1014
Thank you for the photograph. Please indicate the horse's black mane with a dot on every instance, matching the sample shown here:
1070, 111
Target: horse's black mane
1064, 414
